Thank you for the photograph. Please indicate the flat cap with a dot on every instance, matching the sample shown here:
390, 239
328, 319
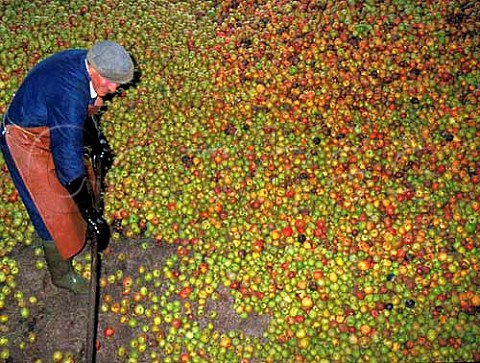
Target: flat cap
112, 61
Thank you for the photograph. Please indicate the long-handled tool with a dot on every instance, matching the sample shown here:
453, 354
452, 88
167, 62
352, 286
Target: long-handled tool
94, 267
93, 304
94, 263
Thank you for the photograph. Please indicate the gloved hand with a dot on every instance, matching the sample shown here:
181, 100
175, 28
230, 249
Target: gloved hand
104, 156
99, 226
79, 190
97, 145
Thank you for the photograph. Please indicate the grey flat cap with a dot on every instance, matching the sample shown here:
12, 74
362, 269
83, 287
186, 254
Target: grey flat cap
112, 61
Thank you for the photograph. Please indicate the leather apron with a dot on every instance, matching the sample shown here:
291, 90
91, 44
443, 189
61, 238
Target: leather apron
30, 151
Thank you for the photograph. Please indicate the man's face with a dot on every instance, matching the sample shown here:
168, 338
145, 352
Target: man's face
101, 85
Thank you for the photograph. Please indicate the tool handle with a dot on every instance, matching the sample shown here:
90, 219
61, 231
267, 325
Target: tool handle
93, 298
93, 304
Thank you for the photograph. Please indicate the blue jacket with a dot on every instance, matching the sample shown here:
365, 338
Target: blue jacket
56, 94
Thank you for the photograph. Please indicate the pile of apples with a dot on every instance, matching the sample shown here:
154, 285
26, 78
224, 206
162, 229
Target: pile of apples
318, 159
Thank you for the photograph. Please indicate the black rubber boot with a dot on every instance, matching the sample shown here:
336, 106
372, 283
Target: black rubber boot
62, 272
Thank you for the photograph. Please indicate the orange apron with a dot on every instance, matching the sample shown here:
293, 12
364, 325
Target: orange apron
30, 150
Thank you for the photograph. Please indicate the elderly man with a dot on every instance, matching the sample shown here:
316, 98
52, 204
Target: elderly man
43, 138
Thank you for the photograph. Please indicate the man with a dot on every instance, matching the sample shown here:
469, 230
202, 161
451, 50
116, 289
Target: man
42, 140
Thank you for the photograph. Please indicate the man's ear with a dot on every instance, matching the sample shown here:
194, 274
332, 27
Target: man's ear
91, 71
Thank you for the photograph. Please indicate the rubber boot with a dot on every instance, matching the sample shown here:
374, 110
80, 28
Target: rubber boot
62, 272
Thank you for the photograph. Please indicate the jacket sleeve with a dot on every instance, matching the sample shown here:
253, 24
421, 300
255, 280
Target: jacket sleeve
67, 113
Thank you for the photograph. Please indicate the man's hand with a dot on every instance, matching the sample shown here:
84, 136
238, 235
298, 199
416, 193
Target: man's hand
98, 225
79, 190
104, 156
97, 146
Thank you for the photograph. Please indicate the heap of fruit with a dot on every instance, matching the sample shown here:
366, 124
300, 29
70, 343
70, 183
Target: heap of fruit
319, 159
